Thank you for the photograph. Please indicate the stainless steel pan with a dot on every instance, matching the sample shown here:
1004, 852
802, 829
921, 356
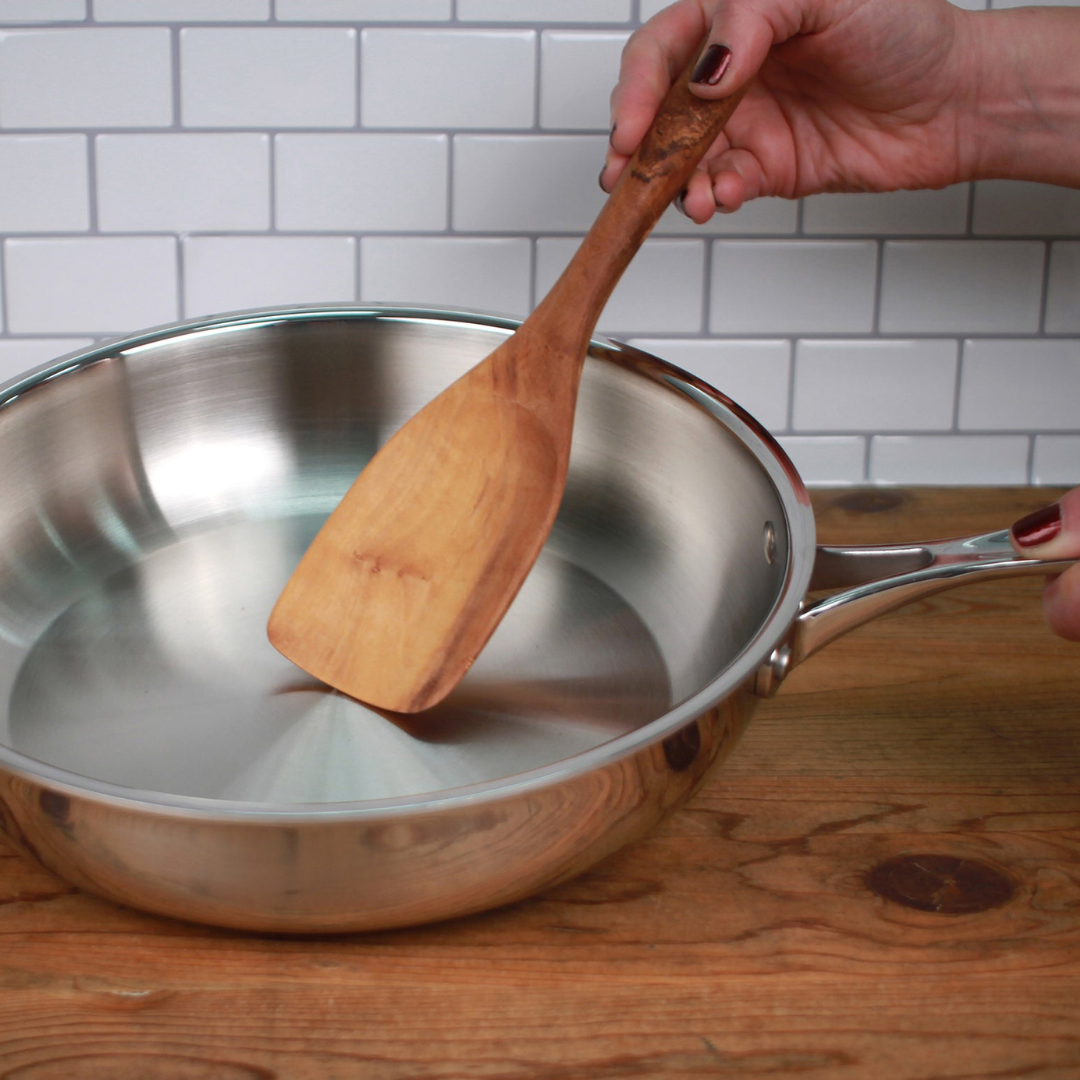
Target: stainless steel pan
156, 493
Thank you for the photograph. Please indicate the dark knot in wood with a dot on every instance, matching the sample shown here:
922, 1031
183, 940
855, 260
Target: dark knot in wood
942, 883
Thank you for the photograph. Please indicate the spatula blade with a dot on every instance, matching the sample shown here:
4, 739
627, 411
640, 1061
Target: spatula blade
410, 575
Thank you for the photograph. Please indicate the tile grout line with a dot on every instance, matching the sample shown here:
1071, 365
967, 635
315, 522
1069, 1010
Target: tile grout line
179, 252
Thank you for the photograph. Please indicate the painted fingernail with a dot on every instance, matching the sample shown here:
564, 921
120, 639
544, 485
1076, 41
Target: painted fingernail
680, 202
712, 65
601, 179
1038, 528
611, 134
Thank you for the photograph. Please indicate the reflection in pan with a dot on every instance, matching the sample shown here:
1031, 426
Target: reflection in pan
160, 678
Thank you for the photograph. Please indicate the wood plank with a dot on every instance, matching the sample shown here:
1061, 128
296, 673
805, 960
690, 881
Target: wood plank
740, 938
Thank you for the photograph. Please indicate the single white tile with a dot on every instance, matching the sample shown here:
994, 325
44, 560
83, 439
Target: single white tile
268, 77
1017, 385
760, 217
232, 273
577, 72
874, 386
961, 286
1057, 460
362, 10
649, 8
469, 78
144, 11
1063, 289
562, 11
90, 285
949, 459
361, 182
183, 182
43, 183
527, 183
661, 291
85, 77
792, 286
827, 459
1031, 3
41, 11
754, 374
1021, 208
490, 274
930, 213
971, 5
20, 355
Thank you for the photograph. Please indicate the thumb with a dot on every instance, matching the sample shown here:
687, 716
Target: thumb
1052, 532
739, 39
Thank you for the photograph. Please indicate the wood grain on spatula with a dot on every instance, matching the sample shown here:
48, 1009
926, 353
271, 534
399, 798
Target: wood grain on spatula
409, 576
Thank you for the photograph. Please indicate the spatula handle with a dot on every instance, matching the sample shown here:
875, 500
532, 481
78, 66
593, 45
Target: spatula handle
683, 129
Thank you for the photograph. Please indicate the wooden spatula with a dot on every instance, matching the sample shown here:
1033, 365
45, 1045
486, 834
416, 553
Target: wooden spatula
412, 572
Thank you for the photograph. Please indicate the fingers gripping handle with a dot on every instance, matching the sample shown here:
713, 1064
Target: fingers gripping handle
682, 131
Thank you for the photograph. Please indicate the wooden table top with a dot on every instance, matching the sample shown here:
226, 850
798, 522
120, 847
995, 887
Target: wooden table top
780, 924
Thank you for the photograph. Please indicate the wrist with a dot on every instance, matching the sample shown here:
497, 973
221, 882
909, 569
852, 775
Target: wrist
1023, 120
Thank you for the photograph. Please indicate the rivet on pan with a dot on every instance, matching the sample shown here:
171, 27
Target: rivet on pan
769, 539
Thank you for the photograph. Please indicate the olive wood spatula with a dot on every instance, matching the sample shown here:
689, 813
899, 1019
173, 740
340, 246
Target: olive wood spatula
414, 569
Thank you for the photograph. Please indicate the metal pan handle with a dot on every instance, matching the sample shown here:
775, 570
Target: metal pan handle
878, 579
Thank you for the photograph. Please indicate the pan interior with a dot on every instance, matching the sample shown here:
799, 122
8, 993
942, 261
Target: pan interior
160, 677
154, 502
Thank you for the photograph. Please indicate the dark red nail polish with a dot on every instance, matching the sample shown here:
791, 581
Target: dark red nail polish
1038, 528
712, 65
601, 179
611, 134
680, 201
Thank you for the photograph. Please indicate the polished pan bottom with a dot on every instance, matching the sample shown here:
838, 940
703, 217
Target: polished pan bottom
160, 678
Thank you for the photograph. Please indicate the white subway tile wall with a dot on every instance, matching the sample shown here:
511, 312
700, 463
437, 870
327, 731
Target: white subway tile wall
493, 73
580, 68
33, 11
231, 273
660, 290
1063, 289
482, 273
149, 11
792, 286
357, 183
86, 77
44, 183
941, 213
267, 77
89, 284
165, 159
183, 182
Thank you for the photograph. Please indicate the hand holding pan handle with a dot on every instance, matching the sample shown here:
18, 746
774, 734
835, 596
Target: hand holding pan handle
878, 579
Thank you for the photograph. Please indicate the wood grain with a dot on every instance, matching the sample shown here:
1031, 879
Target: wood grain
741, 938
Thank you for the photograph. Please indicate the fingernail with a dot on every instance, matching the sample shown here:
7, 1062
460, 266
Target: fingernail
601, 179
611, 134
1038, 528
712, 65
680, 202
